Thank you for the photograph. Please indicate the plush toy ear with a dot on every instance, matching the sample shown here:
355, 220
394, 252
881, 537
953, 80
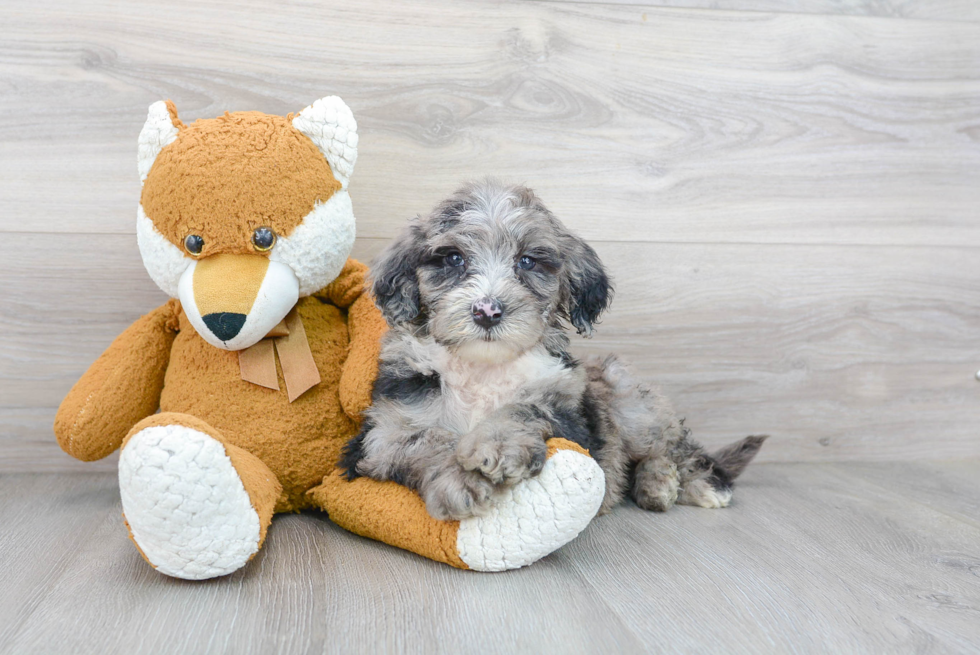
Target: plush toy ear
331, 126
159, 131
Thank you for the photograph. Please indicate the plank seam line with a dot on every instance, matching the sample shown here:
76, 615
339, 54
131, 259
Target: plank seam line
761, 12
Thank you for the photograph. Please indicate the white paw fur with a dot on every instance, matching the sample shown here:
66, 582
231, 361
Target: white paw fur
702, 494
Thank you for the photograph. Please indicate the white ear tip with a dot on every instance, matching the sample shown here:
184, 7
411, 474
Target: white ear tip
158, 110
330, 124
157, 133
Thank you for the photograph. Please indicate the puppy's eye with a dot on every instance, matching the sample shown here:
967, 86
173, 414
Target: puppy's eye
193, 244
263, 239
455, 260
527, 263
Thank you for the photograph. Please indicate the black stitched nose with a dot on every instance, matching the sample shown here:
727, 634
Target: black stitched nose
487, 312
224, 325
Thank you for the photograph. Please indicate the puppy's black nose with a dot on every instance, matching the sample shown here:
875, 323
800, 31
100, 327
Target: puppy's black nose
224, 325
487, 312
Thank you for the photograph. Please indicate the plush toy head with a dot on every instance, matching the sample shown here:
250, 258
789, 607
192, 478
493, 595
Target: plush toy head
243, 214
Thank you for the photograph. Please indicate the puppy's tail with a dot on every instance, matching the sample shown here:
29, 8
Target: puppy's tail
733, 458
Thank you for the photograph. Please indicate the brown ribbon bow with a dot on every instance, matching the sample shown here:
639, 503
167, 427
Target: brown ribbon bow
258, 363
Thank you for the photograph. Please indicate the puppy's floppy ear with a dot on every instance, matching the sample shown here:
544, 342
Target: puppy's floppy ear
588, 286
396, 285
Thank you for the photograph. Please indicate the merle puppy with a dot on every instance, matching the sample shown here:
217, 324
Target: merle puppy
475, 372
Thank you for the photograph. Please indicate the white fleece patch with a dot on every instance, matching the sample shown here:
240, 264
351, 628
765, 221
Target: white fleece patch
185, 504
319, 246
158, 132
535, 517
164, 261
330, 124
276, 296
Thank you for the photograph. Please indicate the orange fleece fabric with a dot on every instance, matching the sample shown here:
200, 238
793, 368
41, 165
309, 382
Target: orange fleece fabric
391, 513
161, 361
285, 453
120, 388
194, 185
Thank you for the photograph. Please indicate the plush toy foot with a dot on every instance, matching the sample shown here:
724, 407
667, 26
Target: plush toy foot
526, 522
195, 507
536, 516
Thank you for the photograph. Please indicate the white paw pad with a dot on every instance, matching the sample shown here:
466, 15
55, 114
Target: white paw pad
185, 503
535, 517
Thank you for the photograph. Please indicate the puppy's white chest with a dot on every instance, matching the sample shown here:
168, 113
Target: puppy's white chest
473, 391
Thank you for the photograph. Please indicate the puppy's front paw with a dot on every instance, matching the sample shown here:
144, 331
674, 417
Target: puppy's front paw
455, 494
503, 458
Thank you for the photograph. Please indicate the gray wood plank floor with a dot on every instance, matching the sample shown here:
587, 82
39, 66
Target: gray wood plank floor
844, 557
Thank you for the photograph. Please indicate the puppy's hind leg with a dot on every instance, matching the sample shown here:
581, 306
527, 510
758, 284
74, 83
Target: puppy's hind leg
708, 480
638, 428
655, 483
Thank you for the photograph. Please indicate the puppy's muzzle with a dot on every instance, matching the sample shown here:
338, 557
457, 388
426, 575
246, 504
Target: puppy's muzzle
487, 312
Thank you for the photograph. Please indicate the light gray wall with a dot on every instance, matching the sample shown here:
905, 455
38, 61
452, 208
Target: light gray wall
789, 202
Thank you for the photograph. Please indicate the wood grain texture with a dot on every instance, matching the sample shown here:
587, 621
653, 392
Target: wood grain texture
810, 558
786, 200
656, 125
946, 10
840, 353
815, 559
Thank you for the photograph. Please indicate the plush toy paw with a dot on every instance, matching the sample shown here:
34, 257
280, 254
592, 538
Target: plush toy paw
186, 506
535, 517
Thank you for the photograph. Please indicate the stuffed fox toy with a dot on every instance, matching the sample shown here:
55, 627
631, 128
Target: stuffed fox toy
264, 358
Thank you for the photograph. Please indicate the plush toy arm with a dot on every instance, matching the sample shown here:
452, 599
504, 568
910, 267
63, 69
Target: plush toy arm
523, 524
367, 326
348, 287
122, 387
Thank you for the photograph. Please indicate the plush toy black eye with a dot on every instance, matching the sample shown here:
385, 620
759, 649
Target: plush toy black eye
193, 244
455, 260
263, 239
527, 263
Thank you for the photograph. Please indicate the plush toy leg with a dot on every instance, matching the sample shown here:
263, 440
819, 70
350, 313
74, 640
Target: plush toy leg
195, 507
525, 523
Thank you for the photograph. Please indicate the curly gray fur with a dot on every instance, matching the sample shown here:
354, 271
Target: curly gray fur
475, 373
